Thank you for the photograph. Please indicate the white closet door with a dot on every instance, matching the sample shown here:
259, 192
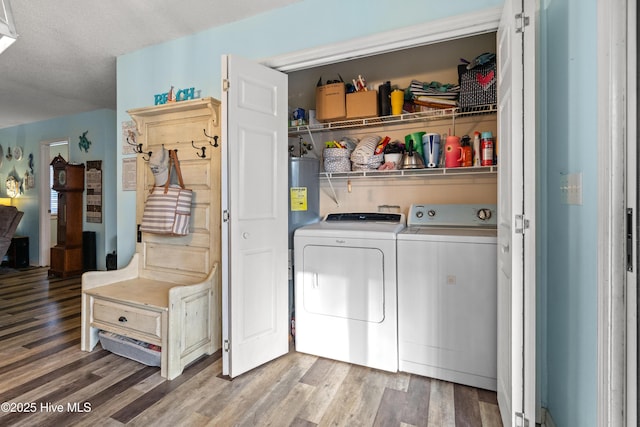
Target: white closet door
255, 204
631, 194
516, 213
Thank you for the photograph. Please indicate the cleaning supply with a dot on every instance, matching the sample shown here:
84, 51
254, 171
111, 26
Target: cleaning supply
476, 148
486, 148
467, 152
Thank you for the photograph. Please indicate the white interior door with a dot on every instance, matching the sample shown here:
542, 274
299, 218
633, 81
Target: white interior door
44, 201
631, 194
516, 211
254, 231
48, 222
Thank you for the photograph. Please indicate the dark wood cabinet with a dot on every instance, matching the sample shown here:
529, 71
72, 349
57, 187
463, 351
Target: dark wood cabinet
66, 255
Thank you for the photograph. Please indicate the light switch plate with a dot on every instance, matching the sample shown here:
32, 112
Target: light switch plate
575, 189
571, 188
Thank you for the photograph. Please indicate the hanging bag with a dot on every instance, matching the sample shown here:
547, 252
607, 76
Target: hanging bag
478, 82
168, 207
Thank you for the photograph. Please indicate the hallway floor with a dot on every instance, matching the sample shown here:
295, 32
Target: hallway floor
49, 381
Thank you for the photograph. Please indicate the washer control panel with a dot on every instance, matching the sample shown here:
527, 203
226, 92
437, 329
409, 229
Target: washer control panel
450, 215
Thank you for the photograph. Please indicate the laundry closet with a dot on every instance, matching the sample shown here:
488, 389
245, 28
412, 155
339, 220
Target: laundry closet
445, 305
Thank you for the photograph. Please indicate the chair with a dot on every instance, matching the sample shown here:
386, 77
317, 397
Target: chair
10, 217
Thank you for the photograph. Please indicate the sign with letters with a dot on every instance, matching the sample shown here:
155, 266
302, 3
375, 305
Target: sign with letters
176, 95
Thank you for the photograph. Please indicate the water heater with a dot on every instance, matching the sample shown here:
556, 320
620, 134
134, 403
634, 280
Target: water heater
304, 193
304, 205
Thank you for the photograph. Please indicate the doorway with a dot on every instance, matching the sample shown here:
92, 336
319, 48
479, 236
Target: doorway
48, 198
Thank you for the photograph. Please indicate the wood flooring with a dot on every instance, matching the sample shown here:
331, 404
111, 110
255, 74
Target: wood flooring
46, 380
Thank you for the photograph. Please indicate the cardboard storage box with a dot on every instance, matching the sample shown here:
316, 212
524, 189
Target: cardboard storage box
330, 102
362, 104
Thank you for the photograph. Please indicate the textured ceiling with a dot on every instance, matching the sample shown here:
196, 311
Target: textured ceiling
64, 61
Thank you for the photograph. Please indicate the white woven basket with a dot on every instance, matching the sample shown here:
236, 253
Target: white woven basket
336, 152
337, 164
336, 159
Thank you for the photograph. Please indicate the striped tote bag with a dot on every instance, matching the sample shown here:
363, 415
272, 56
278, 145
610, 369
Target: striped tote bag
168, 207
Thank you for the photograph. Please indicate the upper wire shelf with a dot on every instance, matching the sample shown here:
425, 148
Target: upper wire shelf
435, 114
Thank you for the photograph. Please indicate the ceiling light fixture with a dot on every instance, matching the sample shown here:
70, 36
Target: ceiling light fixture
7, 27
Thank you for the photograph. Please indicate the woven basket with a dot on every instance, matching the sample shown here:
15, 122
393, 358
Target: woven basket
336, 160
336, 152
372, 163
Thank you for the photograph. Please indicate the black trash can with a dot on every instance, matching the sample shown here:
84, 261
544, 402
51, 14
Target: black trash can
112, 261
89, 262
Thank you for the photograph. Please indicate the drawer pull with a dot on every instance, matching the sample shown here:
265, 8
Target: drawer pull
122, 319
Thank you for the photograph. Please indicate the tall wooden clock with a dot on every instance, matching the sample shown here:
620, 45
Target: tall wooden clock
66, 255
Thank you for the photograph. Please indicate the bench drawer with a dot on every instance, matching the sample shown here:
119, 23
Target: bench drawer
127, 317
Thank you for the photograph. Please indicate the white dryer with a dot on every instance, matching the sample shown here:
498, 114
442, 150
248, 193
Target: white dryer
447, 294
345, 288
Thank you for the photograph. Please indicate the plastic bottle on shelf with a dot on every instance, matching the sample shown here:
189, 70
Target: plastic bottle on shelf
384, 99
476, 148
465, 143
486, 148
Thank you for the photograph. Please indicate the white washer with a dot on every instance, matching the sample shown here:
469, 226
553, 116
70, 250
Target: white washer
447, 294
345, 288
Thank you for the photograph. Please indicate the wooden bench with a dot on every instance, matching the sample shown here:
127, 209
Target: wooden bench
179, 317
169, 294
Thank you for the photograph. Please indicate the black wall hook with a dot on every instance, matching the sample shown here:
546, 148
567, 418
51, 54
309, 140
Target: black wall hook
203, 148
138, 147
138, 150
215, 138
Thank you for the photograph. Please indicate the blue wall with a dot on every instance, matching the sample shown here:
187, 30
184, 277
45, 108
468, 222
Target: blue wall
569, 103
100, 125
194, 61
567, 308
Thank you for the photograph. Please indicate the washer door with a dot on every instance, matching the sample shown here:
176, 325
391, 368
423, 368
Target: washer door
344, 282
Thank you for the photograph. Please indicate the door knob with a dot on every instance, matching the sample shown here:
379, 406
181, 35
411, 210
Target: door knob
245, 235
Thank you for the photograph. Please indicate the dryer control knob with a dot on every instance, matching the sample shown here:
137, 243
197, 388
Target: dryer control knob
484, 214
431, 213
419, 214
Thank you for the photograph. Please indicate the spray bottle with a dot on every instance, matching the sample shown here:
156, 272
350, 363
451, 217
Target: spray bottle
476, 149
486, 147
